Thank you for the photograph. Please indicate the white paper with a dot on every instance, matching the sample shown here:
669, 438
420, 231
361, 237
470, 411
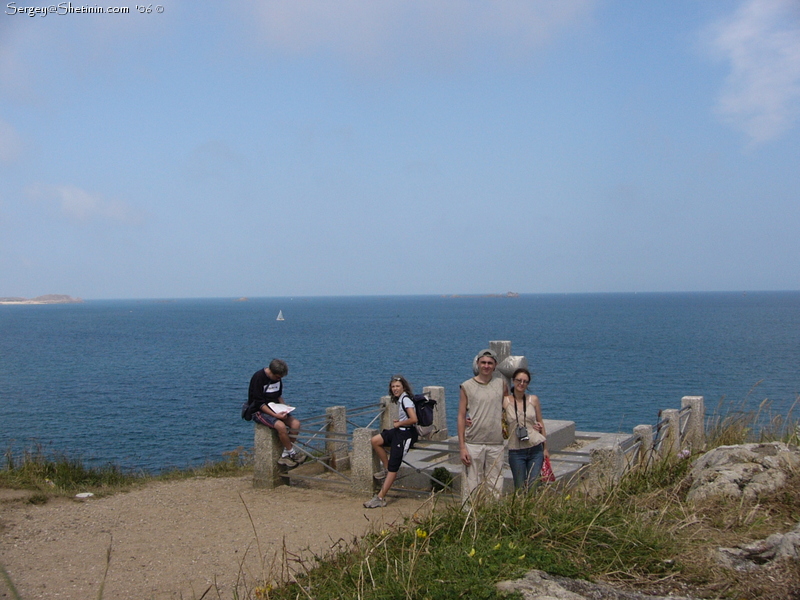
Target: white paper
280, 408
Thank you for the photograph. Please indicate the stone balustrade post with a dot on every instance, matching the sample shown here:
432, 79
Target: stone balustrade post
267, 450
605, 470
436, 392
695, 435
336, 444
388, 412
645, 435
671, 444
363, 462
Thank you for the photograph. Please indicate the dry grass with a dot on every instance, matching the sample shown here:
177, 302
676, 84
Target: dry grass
49, 475
640, 535
700, 528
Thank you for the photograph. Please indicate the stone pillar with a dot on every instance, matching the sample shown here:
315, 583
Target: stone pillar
501, 349
605, 470
336, 445
436, 392
645, 435
506, 363
363, 462
671, 444
389, 412
695, 435
266, 452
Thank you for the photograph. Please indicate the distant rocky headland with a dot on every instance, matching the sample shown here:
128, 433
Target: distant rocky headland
506, 295
46, 299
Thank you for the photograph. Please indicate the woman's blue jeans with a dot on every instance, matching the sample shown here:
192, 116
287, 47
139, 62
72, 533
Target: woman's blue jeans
525, 465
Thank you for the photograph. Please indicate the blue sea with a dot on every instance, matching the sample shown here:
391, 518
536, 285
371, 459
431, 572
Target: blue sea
151, 384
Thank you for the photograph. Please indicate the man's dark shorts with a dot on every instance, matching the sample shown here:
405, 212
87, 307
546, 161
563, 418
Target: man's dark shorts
265, 419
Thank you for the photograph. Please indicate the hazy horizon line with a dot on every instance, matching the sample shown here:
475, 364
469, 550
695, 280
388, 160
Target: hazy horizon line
498, 295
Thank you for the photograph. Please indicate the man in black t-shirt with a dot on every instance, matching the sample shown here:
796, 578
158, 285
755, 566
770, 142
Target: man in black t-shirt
266, 385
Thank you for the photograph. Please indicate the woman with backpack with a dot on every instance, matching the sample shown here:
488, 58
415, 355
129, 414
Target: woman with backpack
399, 438
527, 444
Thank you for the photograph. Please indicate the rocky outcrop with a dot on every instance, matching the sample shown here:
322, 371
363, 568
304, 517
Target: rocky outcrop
538, 585
742, 472
46, 299
756, 554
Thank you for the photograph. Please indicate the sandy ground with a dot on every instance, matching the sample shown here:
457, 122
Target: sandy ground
173, 540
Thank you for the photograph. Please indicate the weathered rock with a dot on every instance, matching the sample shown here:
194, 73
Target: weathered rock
745, 471
538, 585
756, 554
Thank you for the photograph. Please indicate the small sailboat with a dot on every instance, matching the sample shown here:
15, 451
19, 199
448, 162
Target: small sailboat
280, 316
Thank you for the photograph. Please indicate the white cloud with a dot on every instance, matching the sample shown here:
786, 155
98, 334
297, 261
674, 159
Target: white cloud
761, 41
82, 207
420, 31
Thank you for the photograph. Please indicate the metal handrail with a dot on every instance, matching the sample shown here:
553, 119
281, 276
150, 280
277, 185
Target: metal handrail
359, 410
630, 443
683, 420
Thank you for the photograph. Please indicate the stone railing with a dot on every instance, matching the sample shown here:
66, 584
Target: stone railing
337, 444
677, 431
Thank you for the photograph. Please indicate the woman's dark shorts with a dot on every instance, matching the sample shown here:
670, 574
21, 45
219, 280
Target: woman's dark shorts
399, 442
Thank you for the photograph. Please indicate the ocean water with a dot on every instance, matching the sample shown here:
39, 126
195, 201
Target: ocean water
154, 384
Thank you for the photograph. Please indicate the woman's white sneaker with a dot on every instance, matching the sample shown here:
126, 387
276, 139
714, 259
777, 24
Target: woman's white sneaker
376, 502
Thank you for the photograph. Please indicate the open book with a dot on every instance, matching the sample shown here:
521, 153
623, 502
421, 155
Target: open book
280, 408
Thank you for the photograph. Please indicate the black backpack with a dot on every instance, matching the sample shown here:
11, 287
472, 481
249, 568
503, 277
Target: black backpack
424, 407
247, 413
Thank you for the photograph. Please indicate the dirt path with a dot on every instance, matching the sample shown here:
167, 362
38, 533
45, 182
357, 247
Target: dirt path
172, 540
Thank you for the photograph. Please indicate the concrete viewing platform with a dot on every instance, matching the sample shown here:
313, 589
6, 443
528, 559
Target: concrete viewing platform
570, 452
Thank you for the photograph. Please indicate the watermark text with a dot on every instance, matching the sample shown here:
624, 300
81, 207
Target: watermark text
67, 8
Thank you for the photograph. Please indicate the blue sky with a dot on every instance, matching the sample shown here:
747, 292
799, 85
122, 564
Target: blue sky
282, 148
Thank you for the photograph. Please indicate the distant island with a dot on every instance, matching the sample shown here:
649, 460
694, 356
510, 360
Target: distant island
506, 295
46, 299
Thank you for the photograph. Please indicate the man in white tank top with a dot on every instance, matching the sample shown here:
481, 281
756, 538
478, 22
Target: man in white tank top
480, 440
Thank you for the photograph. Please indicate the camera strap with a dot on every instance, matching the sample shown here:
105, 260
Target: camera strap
524, 409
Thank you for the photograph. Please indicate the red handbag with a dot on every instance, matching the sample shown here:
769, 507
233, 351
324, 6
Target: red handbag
547, 474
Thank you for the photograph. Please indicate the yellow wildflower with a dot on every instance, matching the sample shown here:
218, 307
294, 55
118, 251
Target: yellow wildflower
471, 553
497, 547
421, 533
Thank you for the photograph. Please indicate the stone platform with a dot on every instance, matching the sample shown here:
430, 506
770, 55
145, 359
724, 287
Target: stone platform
570, 451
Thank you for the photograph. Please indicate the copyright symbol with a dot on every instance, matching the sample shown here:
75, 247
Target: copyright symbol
159, 9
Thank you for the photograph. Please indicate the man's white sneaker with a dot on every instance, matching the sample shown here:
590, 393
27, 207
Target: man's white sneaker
287, 461
380, 475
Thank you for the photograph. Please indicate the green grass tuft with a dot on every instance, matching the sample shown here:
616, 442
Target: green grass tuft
450, 553
59, 475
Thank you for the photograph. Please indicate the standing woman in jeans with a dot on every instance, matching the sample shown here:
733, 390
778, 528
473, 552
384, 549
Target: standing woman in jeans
526, 435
